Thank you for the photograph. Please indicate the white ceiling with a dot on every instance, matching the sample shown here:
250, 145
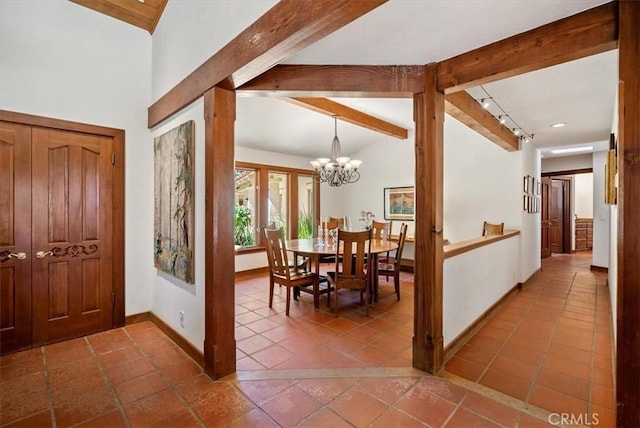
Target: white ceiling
580, 93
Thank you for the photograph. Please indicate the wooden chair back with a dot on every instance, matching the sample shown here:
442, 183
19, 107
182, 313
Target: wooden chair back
492, 229
401, 240
381, 229
277, 252
355, 264
331, 224
339, 221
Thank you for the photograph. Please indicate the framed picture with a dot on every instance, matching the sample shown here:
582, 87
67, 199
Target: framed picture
174, 202
399, 203
525, 203
525, 184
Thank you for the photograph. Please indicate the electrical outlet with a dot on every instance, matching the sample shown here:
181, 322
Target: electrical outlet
181, 319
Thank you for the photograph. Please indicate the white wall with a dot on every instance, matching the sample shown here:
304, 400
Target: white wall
583, 195
567, 163
62, 60
530, 233
211, 25
600, 213
475, 280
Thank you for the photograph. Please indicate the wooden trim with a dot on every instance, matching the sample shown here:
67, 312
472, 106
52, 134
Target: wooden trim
293, 204
182, 343
351, 115
429, 158
176, 337
137, 318
467, 333
277, 35
588, 33
567, 172
373, 81
219, 298
452, 250
249, 250
594, 268
251, 273
64, 125
274, 168
118, 218
628, 288
464, 108
117, 198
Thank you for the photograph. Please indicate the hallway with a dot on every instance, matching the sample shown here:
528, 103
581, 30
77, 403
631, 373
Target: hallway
313, 370
550, 345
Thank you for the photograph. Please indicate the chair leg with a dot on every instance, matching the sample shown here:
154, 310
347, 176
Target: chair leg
396, 283
335, 302
271, 293
288, 300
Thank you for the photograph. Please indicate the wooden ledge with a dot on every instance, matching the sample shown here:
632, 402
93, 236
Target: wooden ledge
452, 250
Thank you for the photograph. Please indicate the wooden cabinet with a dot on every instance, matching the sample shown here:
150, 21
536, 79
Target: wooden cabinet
584, 234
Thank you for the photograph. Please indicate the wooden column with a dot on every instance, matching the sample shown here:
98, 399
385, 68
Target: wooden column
219, 313
429, 119
628, 319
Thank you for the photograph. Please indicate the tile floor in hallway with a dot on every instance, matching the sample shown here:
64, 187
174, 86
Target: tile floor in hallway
354, 370
551, 345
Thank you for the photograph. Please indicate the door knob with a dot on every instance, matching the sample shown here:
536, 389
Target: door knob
19, 256
43, 254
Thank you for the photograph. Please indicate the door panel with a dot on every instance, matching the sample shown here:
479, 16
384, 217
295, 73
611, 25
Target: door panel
545, 250
72, 282
15, 237
557, 216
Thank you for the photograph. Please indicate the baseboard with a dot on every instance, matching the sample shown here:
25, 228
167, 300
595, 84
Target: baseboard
521, 285
466, 334
250, 273
599, 269
182, 343
137, 318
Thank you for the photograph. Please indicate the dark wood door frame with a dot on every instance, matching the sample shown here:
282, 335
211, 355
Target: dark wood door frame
117, 196
567, 204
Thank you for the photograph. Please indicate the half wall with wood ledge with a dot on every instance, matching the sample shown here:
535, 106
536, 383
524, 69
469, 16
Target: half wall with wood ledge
478, 273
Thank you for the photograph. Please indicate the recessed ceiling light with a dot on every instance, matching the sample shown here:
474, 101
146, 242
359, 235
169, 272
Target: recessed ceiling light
572, 150
558, 125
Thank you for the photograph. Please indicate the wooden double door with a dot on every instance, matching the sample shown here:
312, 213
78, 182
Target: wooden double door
55, 235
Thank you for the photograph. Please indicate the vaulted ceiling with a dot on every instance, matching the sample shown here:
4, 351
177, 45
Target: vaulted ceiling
580, 93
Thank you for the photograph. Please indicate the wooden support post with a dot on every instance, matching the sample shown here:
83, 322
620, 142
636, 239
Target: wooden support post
429, 119
628, 316
219, 312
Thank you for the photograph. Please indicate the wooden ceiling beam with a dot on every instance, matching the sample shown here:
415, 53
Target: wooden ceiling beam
348, 114
587, 33
463, 107
285, 29
142, 15
363, 81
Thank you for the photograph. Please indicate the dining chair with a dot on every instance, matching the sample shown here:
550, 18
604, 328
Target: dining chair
391, 267
337, 221
282, 273
352, 269
382, 230
492, 229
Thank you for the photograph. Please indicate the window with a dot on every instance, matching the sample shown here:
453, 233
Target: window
265, 194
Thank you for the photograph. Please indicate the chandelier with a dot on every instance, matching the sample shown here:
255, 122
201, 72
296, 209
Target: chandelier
339, 169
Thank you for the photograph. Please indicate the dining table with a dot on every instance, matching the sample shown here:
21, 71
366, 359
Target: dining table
314, 248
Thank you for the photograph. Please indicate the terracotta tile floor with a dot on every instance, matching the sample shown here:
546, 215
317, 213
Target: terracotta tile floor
355, 369
551, 345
